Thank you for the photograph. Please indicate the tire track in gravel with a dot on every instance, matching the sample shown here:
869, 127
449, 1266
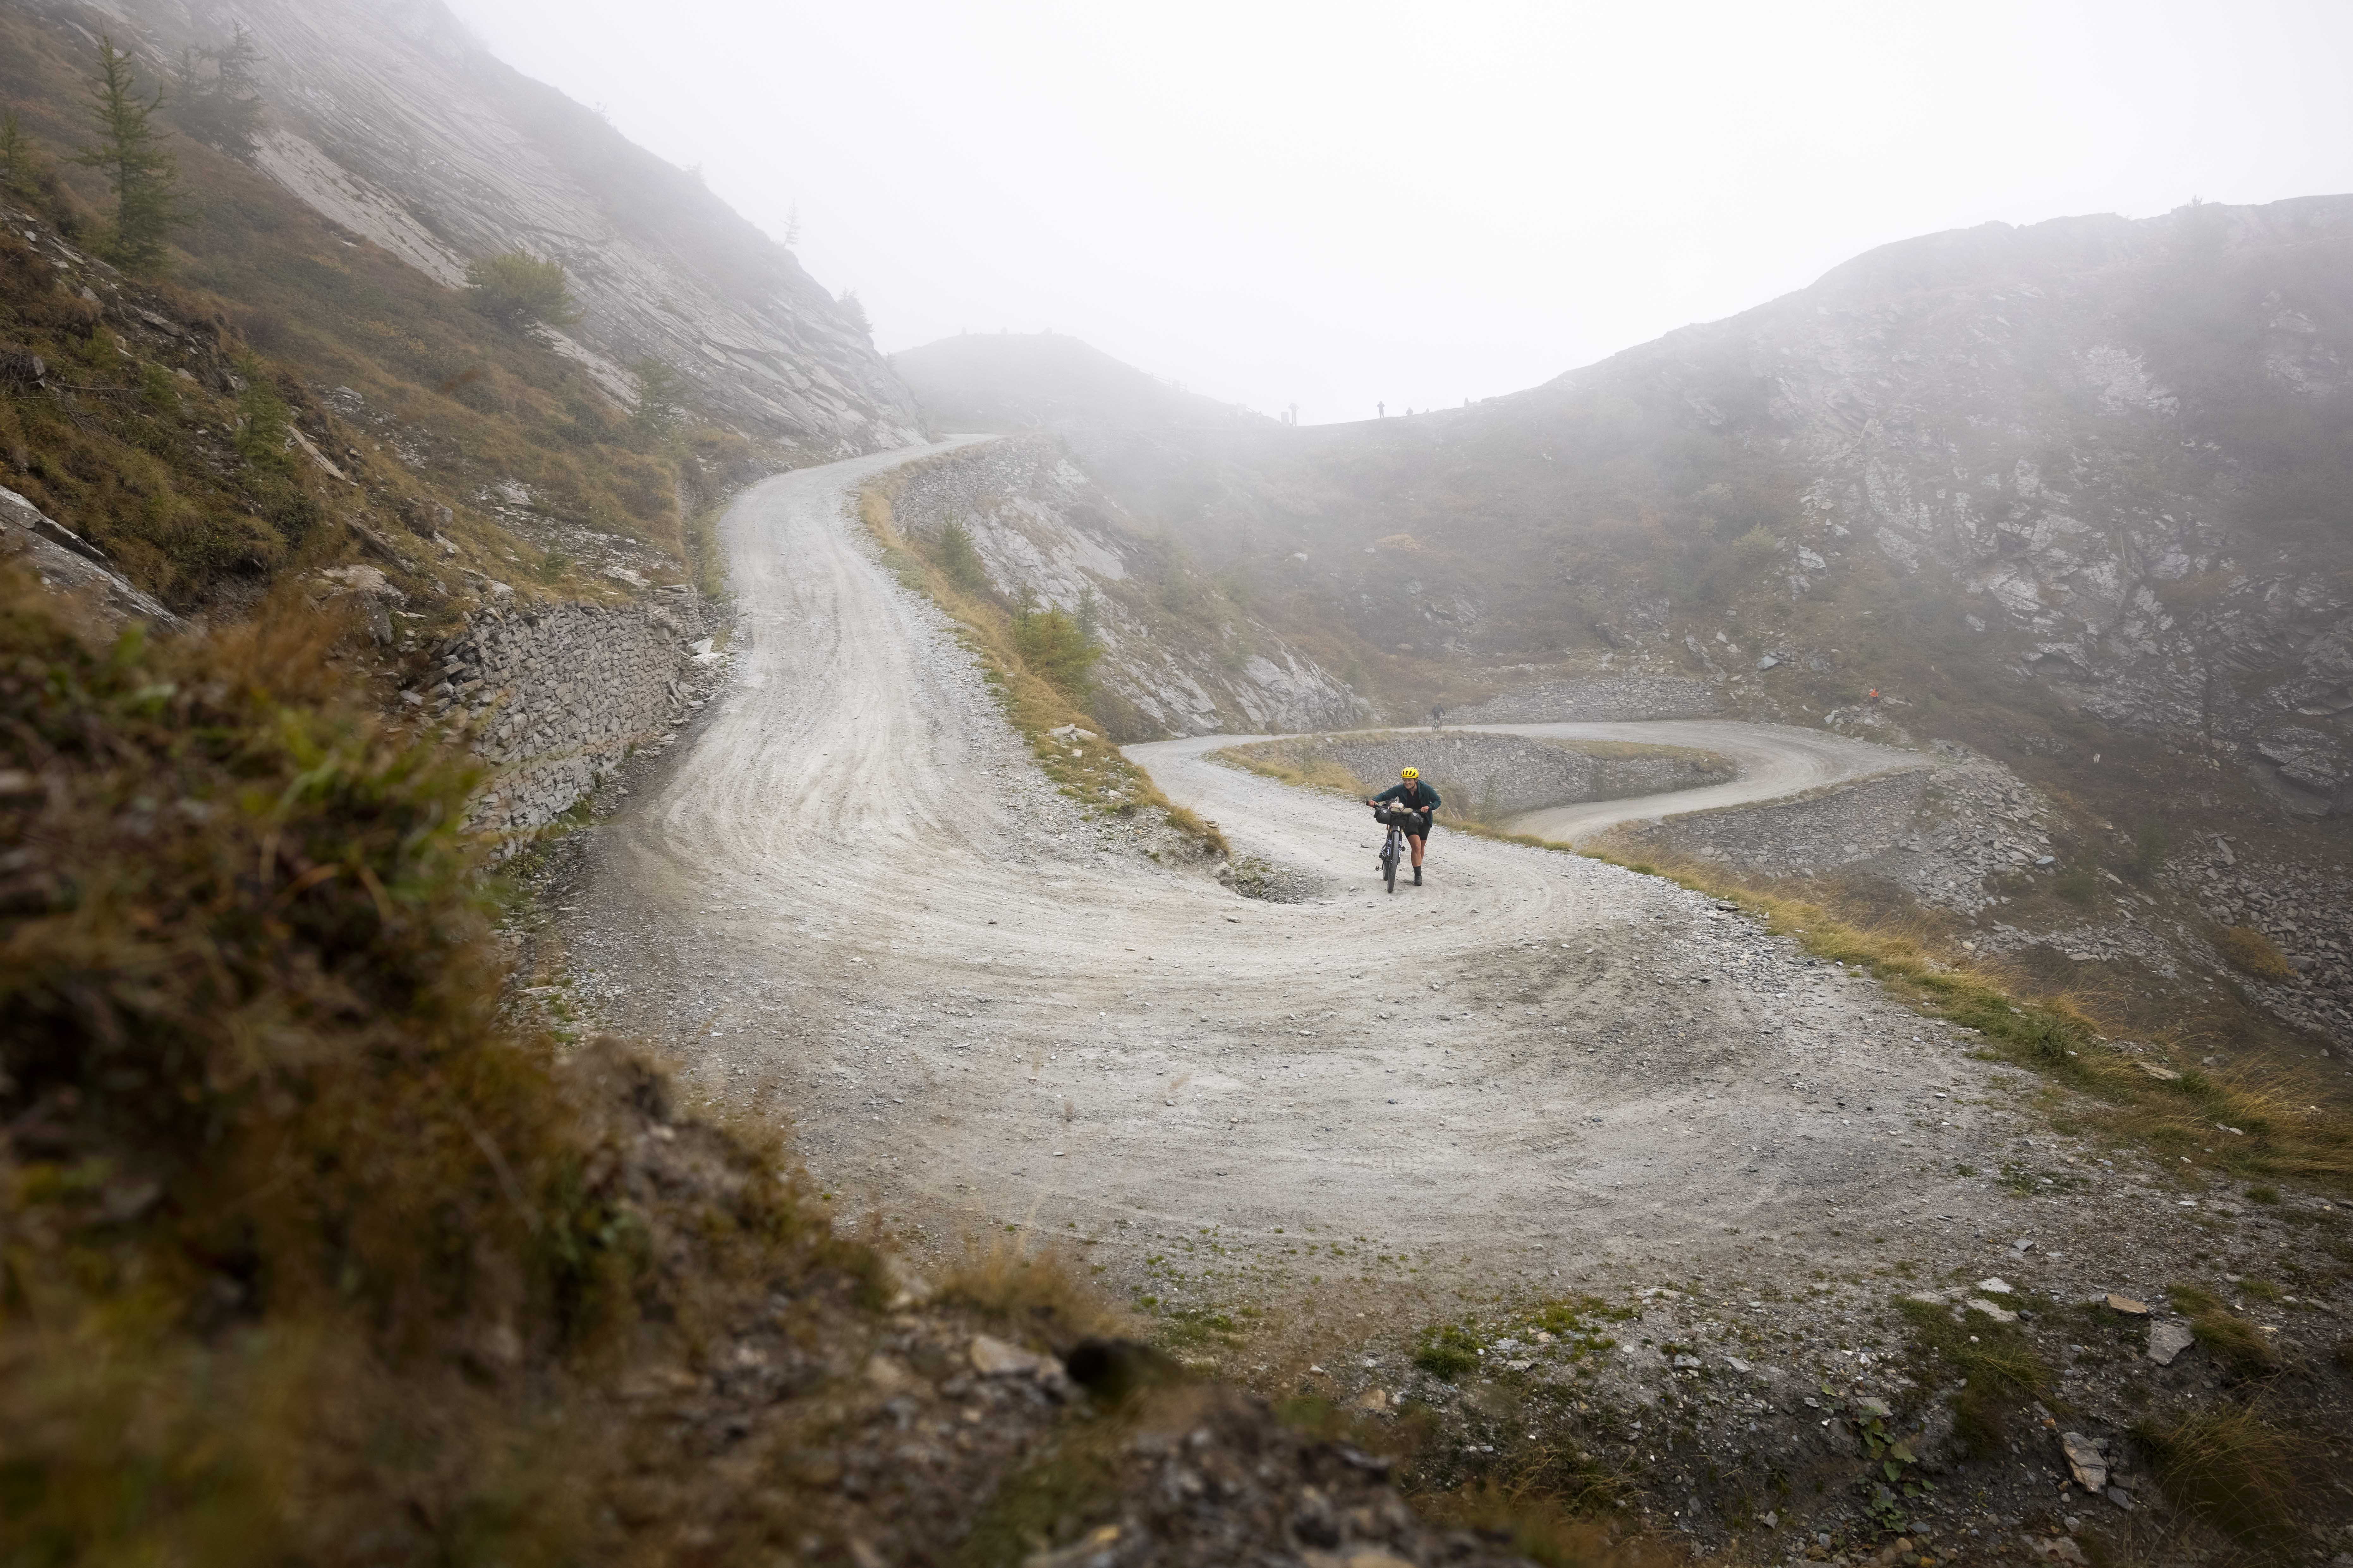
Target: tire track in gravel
976, 1005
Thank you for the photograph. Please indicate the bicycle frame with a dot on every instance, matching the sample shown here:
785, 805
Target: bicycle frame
1392, 854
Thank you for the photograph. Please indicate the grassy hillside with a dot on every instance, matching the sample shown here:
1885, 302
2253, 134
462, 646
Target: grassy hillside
168, 430
288, 1214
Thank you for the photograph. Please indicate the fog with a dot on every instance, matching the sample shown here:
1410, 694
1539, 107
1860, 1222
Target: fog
1338, 206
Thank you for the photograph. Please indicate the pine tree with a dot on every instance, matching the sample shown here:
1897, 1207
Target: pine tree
521, 289
960, 559
140, 170
20, 163
854, 310
222, 107
1051, 646
661, 397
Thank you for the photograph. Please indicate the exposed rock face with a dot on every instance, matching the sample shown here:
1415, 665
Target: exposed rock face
391, 121
2305, 909
1593, 700
2121, 442
1044, 528
1948, 835
65, 561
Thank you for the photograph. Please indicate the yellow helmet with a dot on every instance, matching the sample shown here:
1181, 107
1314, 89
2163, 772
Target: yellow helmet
1411, 773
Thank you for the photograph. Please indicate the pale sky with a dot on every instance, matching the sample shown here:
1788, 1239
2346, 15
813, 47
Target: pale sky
1339, 203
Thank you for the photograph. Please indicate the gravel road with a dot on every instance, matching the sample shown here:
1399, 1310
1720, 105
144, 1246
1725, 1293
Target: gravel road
1776, 760
850, 899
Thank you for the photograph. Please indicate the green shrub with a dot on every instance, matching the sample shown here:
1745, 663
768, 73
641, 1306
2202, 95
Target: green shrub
1735, 563
2250, 952
2000, 1370
1447, 1350
2237, 1344
661, 399
961, 560
1050, 643
521, 289
262, 422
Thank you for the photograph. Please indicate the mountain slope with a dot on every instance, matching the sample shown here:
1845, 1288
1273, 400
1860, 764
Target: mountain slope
2097, 468
392, 122
1025, 381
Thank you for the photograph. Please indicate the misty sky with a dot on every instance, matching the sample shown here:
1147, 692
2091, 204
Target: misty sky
1339, 203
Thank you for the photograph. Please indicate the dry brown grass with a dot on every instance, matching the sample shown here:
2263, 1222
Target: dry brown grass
2250, 952
1541, 1524
296, 1236
2233, 1470
1036, 1290
1318, 774
2239, 1346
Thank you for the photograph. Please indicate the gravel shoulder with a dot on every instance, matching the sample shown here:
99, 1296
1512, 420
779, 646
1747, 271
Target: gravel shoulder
851, 900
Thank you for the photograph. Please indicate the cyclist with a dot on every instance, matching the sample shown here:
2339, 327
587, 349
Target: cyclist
1417, 800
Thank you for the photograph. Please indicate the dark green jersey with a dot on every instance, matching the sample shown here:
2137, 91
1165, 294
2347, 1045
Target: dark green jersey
1416, 795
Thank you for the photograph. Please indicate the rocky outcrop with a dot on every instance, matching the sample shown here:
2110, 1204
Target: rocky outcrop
1948, 835
2307, 911
392, 122
1046, 532
555, 698
65, 561
2119, 445
1594, 698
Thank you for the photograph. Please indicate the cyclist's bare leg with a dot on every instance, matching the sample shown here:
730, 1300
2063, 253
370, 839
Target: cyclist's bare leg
1410, 838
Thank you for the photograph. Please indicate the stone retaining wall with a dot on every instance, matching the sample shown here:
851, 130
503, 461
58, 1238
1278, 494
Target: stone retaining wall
558, 695
1846, 827
1496, 776
1593, 699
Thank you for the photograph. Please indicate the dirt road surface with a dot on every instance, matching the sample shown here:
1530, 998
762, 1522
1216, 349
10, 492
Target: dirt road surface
852, 899
1775, 761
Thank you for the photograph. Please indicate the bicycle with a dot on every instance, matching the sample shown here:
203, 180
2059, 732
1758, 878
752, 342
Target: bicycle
1393, 848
